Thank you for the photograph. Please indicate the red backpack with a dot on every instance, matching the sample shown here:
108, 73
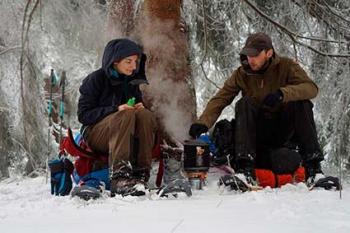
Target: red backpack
87, 160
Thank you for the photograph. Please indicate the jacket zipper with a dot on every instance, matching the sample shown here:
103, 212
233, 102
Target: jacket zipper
262, 83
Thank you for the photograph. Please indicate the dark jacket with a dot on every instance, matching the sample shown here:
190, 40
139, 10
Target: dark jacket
282, 73
101, 93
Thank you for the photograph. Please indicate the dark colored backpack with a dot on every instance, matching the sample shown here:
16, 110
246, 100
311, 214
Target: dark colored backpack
61, 170
223, 137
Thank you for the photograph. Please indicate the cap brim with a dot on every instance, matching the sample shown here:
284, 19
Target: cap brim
250, 52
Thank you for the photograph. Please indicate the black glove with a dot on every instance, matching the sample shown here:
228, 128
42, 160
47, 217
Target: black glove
328, 183
273, 99
197, 129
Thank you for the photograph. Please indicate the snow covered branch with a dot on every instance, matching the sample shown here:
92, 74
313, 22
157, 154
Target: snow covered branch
294, 35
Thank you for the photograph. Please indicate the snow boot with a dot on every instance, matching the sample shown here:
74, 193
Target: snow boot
313, 172
244, 179
174, 187
173, 180
123, 183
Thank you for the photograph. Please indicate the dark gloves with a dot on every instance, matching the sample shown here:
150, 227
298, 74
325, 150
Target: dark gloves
328, 183
271, 100
197, 129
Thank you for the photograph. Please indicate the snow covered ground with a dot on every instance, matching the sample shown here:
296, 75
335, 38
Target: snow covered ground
27, 206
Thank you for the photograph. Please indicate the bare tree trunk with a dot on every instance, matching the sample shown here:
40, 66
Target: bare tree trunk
120, 21
5, 145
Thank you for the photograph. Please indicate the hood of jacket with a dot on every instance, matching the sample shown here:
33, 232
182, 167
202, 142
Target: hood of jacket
116, 50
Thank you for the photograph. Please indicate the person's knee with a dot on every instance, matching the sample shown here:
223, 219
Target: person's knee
144, 115
243, 103
125, 116
300, 104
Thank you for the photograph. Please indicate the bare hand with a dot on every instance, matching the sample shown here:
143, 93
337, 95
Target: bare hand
125, 107
139, 106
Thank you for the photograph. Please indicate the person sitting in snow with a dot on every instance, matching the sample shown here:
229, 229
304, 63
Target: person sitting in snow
274, 111
112, 123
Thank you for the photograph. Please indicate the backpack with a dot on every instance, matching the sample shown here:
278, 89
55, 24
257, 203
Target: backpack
61, 170
284, 163
224, 139
90, 168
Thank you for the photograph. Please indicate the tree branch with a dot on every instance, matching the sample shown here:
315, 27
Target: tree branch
294, 34
205, 33
331, 10
206, 77
9, 49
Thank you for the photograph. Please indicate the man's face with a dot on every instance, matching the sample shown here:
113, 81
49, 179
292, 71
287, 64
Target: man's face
257, 62
127, 65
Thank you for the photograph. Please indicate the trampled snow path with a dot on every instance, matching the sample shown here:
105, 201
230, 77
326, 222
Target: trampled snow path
27, 206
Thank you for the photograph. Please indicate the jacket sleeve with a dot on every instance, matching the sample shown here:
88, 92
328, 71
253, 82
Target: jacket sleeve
222, 98
299, 85
89, 111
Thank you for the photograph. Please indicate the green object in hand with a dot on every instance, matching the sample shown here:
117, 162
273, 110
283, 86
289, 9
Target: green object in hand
131, 102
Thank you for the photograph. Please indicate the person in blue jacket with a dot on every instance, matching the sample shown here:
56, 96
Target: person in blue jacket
114, 118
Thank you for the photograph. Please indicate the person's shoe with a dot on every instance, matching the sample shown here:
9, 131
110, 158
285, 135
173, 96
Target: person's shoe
247, 176
123, 183
245, 169
244, 178
86, 192
313, 173
127, 186
142, 174
240, 182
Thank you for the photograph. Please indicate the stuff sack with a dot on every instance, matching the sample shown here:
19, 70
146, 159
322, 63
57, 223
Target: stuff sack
267, 178
61, 181
223, 138
98, 179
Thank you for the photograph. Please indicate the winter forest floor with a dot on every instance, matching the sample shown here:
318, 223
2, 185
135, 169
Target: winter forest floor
27, 206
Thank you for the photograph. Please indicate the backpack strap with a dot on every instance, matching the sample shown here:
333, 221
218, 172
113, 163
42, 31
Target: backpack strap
68, 144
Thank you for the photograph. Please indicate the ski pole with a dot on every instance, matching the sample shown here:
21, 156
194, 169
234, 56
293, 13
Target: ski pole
340, 175
52, 83
61, 113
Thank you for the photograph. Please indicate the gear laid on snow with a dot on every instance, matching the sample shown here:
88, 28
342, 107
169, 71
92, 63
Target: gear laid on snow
328, 183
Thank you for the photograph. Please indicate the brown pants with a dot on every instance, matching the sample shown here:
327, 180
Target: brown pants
116, 134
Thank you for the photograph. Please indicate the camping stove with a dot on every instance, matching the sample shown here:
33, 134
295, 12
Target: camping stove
196, 162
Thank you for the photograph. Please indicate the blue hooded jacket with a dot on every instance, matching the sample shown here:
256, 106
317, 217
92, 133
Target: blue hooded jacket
102, 92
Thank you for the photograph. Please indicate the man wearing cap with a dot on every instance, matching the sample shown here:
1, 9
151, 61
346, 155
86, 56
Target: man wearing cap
275, 109
111, 123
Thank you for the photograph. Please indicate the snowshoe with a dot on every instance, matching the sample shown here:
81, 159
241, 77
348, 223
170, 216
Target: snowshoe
236, 183
128, 187
174, 187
